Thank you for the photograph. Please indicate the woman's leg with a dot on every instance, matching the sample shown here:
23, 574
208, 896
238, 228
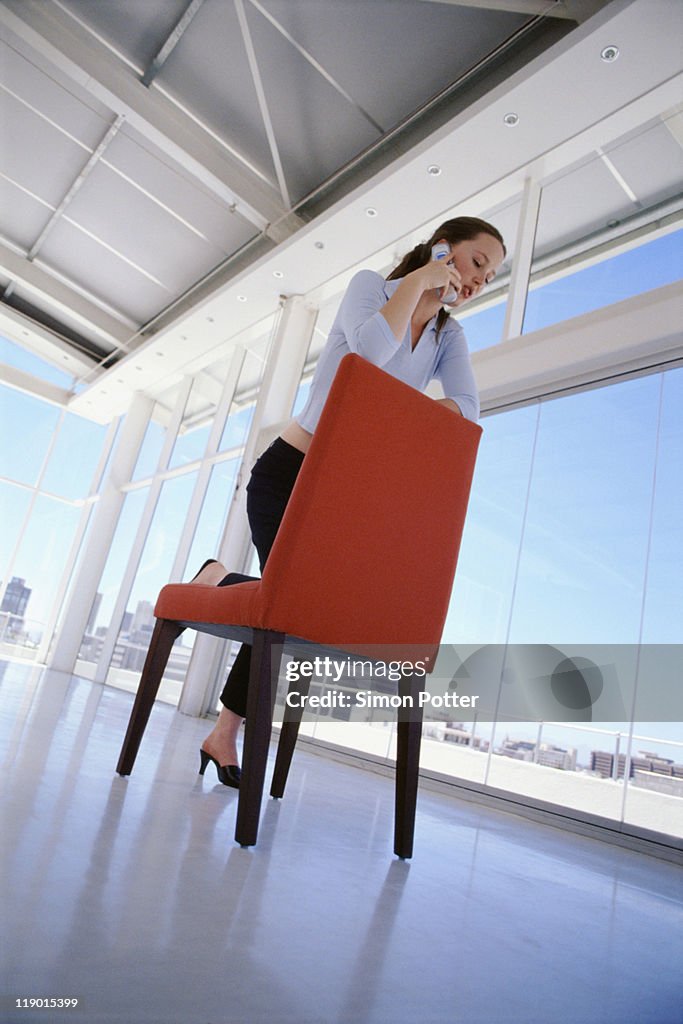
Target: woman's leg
211, 574
271, 483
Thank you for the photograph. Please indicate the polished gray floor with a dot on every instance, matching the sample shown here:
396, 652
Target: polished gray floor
131, 895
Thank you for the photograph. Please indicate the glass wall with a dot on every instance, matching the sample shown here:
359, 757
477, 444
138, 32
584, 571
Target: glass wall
153, 572
48, 472
573, 536
102, 610
174, 516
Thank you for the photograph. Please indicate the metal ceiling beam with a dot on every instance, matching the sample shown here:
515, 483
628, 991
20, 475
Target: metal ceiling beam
170, 44
572, 10
317, 65
78, 54
20, 328
77, 184
555, 8
262, 101
60, 299
26, 382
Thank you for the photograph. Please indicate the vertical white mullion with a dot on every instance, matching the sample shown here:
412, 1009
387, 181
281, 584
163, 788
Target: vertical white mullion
204, 474
84, 586
284, 367
524, 254
628, 757
515, 581
63, 586
141, 535
97, 482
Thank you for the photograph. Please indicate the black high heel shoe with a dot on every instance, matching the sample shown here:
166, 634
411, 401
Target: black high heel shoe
229, 774
209, 561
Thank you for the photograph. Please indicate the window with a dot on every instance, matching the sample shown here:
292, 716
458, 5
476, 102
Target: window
74, 458
650, 265
32, 423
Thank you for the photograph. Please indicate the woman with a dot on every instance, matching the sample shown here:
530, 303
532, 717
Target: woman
401, 325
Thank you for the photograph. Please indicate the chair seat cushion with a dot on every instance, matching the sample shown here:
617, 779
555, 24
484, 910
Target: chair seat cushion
198, 602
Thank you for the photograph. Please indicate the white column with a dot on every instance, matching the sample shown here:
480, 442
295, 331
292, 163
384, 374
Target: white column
81, 529
521, 264
281, 379
84, 587
141, 535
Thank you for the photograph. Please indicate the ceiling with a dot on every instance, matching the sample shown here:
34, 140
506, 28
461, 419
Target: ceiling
162, 161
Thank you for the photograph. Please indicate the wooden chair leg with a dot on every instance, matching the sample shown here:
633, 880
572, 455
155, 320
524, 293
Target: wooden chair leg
164, 636
291, 720
408, 738
265, 664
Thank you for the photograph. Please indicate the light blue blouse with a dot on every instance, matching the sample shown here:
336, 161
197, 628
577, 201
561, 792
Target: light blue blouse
360, 327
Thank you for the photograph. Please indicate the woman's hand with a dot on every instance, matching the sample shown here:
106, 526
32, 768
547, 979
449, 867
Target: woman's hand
414, 290
448, 403
437, 274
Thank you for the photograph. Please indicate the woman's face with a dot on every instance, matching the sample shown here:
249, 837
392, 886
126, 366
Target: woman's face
477, 261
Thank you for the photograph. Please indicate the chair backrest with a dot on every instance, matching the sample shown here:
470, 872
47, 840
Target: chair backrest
367, 549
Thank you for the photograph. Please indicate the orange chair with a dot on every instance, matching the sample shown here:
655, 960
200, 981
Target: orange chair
365, 556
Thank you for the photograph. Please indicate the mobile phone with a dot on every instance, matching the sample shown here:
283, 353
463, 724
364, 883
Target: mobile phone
442, 251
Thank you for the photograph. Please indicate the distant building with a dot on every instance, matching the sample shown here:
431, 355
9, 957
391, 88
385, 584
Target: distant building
545, 754
602, 763
143, 620
519, 750
455, 732
556, 757
16, 597
645, 769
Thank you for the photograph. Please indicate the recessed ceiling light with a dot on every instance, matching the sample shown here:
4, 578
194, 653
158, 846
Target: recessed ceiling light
511, 119
241, 298
209, 319
609, 54
371, 211
434, 170
319, 245
138, 368
120, 380
278, 274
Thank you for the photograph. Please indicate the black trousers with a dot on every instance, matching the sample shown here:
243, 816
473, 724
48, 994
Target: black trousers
270, 485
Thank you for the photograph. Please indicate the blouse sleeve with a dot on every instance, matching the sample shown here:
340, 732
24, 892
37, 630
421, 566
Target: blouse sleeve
366, 331
454, 371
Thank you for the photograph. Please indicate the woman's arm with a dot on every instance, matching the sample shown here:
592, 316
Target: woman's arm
402, 304
449, 404
374, 326
454, 371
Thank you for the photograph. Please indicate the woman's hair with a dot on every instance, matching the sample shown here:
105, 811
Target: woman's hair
459, 229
